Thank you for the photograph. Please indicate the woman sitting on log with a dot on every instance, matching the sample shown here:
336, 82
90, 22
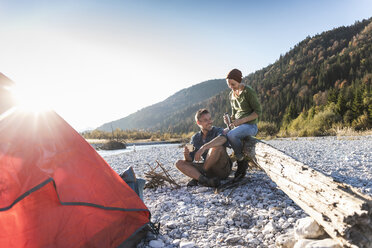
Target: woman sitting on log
246, 110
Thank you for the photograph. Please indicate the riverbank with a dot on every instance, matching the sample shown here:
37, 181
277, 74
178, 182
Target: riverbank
254, 214
96, 143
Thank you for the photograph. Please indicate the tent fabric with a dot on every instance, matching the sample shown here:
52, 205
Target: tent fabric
55, 189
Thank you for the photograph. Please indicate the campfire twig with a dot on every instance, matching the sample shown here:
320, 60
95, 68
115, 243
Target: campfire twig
156, 179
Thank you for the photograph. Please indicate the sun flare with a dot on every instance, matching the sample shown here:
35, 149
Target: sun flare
31, 99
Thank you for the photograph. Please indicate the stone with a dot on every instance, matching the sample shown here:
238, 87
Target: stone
201, 189
150, 236
308, 228
302, 243
171, 225
289, 210
286, 240
311, 243
156, 243
269, 228
323, 243
232, 239
291, 220
187, 244
176, 242
165, 217
285, 225
219, 229
254, 241
202, 220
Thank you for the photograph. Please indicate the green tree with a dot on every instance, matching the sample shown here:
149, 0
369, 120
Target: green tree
341, 103
357, 105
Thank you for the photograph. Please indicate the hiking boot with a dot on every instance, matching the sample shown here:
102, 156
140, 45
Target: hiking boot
209, 182
239, 157
242, 169
192, 183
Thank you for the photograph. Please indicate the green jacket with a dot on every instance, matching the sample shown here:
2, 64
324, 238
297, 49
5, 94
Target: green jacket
245, 104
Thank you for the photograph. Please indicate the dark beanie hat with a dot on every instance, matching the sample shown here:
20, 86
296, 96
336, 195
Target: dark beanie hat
235, 74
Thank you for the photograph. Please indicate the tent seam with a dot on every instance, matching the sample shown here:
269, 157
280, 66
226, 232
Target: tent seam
39, 186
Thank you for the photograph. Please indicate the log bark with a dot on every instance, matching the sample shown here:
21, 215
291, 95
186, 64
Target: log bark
344, 213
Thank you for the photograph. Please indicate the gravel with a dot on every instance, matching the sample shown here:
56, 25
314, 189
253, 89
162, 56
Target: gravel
254, 214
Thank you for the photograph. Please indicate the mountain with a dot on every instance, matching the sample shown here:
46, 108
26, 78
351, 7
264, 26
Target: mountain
324, 80
335, 62
155, 116
328, 75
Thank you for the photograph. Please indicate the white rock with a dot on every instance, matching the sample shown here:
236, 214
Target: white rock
156, 243
289, 210
187, 244
254, 241
201, 189
302, 243
219, 229
249, 236
230, 222
176, 241
233, 239
165, 217
269, 236
269, 228
286, 240
285, 225
307, 228
311, 243
183, 209
324, 243
290, 220
202, 220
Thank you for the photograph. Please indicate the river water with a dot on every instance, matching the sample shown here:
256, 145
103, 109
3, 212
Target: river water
131, 148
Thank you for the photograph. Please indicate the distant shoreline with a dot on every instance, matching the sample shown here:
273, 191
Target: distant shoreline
98, 142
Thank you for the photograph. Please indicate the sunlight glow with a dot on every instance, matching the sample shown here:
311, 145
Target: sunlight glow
31, 99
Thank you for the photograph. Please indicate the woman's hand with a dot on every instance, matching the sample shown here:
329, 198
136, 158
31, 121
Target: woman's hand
243, 120
236, 123
225, 120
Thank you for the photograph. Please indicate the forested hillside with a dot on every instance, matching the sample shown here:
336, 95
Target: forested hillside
323, 82
334, 66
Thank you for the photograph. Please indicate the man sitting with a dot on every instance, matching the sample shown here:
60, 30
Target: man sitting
210, 144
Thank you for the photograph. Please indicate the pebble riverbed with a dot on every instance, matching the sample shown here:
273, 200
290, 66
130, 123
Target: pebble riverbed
252, 215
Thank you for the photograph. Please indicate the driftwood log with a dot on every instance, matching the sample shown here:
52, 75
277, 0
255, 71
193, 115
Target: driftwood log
344, 213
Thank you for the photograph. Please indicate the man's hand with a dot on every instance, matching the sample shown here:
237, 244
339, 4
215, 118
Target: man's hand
199, 153
186, 154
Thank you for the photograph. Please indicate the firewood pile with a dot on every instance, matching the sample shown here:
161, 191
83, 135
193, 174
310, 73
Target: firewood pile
158, 176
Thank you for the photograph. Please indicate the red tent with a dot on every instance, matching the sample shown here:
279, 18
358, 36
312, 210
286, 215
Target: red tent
56, 191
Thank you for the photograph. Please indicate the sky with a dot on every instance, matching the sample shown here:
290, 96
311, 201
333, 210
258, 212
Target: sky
98, 61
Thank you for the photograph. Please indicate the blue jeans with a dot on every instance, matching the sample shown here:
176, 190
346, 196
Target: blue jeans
235, 136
